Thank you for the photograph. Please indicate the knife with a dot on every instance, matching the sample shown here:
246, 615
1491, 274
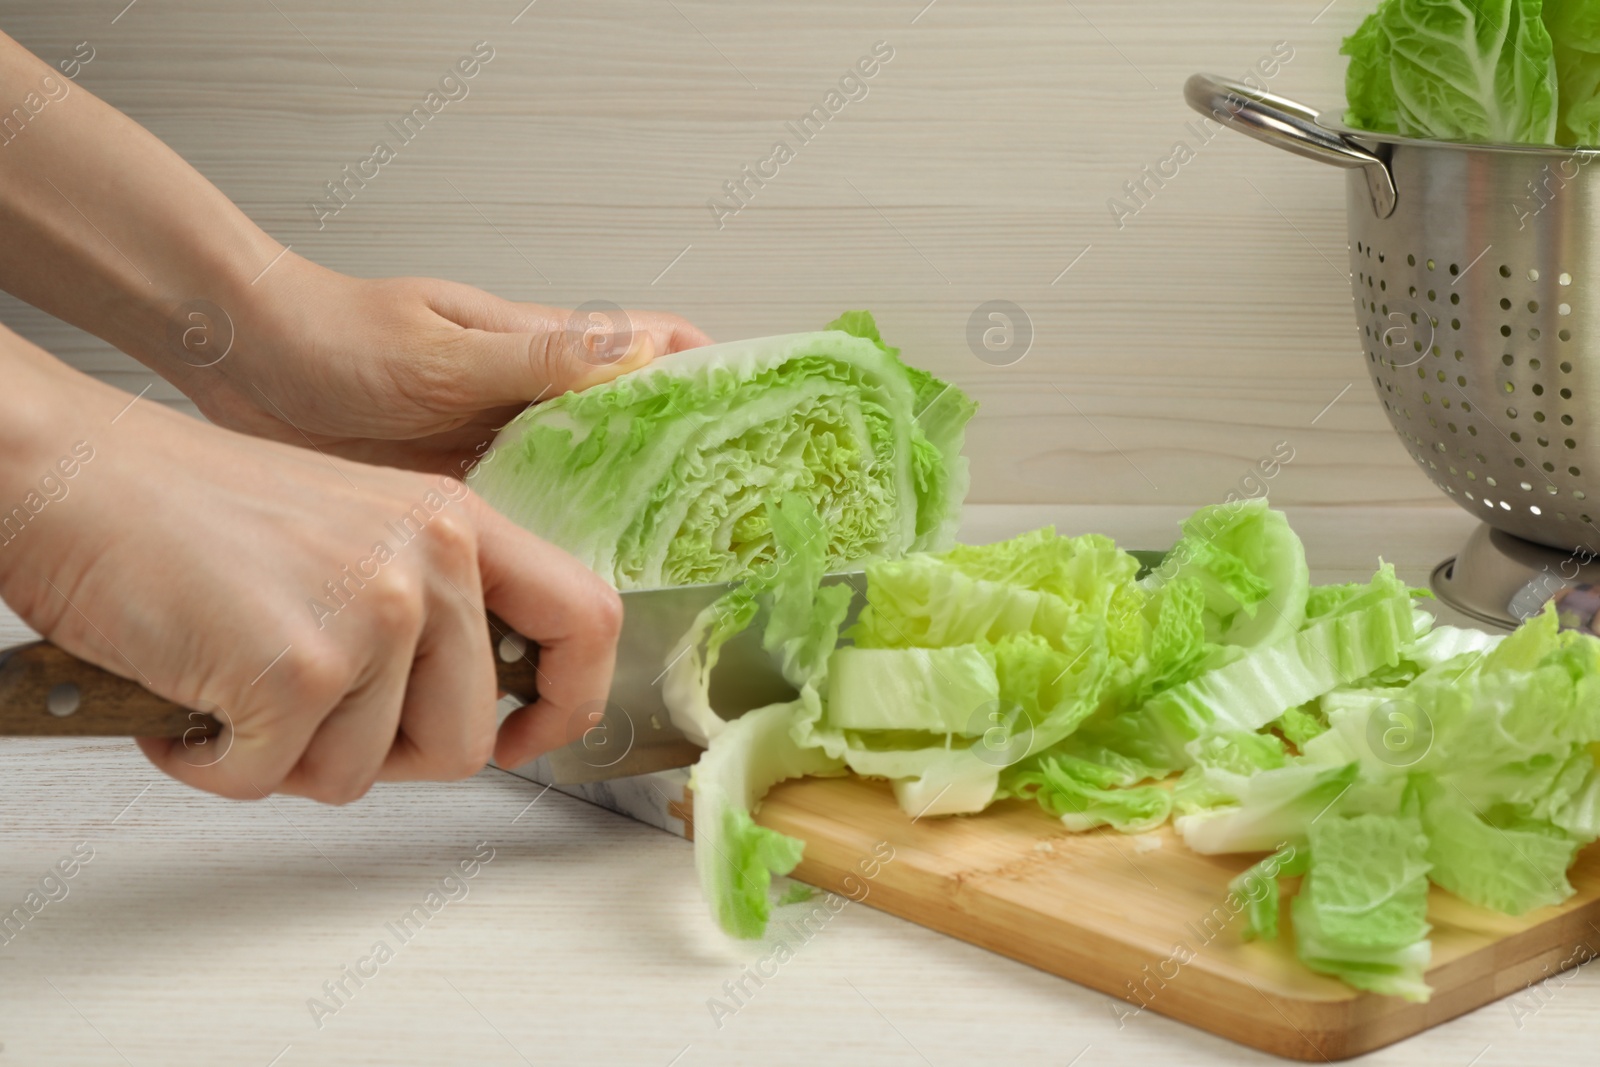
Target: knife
46, 691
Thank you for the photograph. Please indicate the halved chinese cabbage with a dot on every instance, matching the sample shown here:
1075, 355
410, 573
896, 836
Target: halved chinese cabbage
662, 477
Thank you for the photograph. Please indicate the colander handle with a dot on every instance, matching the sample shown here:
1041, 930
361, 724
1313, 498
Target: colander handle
1293, 127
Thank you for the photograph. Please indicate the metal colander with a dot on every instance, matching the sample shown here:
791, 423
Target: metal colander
1467, 267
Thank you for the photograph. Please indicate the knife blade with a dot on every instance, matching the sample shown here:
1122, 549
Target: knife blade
633, 734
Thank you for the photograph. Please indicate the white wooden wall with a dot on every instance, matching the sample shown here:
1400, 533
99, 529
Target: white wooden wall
1175, 353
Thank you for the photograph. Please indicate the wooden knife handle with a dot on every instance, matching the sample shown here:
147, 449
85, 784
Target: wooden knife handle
45, 691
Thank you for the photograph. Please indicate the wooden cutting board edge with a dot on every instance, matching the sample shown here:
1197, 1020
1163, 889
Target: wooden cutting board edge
1290, 1027
1316, 1029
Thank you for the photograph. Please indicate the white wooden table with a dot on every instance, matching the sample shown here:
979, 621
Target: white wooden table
201, 928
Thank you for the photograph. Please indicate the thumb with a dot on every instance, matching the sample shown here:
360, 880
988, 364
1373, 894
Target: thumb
508, 368
508, 353
587, 351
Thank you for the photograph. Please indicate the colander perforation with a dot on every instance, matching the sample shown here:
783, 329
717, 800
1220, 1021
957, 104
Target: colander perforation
1505, 356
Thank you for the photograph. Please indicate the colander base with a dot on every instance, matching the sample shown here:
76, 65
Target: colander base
1500, 580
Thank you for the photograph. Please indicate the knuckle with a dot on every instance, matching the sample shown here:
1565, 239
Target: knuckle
396, 602
589, 610
606, 612
545, 351
316, 672
452, 537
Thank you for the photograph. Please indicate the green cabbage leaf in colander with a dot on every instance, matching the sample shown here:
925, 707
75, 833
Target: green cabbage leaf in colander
1368, 85
1574, 27
1458, 70
664, 476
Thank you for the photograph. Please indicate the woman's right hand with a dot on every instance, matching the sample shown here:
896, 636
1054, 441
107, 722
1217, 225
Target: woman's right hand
194, 560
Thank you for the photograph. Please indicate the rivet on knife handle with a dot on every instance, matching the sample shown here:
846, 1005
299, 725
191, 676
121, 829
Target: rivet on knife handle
516, 660
47, 692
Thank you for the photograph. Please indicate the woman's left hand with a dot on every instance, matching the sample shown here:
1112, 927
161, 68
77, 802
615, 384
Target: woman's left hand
404, 372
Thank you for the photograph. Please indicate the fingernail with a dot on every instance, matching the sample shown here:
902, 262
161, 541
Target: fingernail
641, 350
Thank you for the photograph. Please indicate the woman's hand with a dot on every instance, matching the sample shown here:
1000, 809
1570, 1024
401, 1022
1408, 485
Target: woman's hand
332, 612
107, 228
192, 559
409, 372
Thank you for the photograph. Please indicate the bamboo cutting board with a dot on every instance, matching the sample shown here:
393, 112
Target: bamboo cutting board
1151, 926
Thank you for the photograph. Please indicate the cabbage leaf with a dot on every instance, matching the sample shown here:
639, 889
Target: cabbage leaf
747, 756
1362, 913
1333, 727
1574, 27
663, 476
1457, 70
1483, 71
